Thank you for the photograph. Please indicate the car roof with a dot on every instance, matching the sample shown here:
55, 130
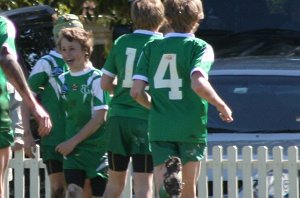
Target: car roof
277, 66
33, 15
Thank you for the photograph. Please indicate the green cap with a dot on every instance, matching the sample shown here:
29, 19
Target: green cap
66, 21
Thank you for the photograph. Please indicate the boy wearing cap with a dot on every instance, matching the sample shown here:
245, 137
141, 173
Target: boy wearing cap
43, 83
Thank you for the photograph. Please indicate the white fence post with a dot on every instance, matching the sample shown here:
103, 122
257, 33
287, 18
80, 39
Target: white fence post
278, 167
33, 165
217, 171
232, 172
262, 171
17, 163
247, 172
293, 171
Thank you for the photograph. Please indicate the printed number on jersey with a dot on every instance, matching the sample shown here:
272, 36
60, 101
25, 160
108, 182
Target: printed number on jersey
130, 53
168, 63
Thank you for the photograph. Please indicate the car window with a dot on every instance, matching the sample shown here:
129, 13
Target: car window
259, 103
34, 32
33, 42
238, 28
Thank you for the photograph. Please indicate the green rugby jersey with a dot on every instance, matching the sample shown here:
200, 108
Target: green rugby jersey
7, 39
82, 95
43, 82
177, 113
120, 64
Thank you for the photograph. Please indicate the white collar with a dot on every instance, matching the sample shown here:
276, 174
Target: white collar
177, 34
56, 54
148, 32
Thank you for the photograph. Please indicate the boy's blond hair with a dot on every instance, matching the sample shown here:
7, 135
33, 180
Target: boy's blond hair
183, 15
147, 14
85, 39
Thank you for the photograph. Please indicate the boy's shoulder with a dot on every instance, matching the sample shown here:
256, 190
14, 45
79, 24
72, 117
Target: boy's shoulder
95, 72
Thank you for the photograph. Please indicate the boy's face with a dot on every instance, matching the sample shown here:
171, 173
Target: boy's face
73, 54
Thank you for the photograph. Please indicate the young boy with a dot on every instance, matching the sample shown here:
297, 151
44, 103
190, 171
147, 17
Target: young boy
42, 81
176, 70
128, 120
85, 105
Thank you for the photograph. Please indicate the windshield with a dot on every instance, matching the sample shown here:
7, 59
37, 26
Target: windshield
259, 103
251, 27
28, 42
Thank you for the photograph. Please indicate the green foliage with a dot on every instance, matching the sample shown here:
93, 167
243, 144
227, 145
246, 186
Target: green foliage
119, 9
106, 11
12, 4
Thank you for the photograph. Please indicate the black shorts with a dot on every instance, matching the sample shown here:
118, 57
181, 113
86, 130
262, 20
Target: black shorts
140, 163
54, 166
78, 177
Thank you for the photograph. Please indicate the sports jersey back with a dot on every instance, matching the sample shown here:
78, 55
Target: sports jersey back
81, 96
121, 63
7, 35
177, 113
45, 74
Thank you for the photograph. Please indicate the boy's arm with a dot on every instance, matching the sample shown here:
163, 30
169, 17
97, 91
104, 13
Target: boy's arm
203, 88
98, 119
15, 75
29, 142
107, 83
16, 117
138, 93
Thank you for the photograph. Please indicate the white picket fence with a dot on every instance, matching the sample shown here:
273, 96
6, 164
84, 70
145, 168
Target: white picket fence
19, 164
238, 174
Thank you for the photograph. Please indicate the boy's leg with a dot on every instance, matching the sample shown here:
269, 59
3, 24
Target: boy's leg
159, 172
56, 177
57, 182
115, 184
4, 158
143, 185
117, 173
74, 191
161, 152
143, 175
75, 181
98, 185
190, 174
53, 161
87, 189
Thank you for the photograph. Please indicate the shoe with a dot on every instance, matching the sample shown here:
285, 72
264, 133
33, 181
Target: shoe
172, 177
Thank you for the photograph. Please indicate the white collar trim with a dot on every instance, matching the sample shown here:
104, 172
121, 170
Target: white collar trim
140, 31
176, 34
55, 53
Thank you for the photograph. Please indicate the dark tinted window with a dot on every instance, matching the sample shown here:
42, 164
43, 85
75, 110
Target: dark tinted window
34, 32
34, 42
238, 28
259, 103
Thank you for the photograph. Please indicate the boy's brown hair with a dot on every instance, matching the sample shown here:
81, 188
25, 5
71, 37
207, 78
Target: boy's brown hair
147, 14
183, 15
85, 39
